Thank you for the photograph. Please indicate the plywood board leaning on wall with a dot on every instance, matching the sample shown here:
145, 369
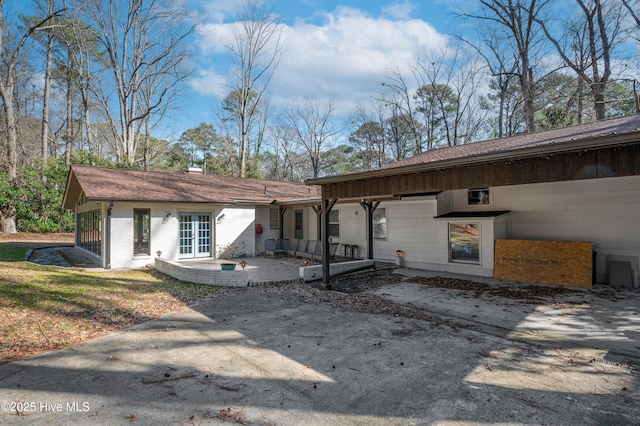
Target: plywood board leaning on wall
545, 262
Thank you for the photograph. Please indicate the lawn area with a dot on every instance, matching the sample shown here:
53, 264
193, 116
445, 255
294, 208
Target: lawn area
46, 308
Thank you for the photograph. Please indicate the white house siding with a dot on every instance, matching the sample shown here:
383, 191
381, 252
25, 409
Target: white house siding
411, 227
263, 218
309, 225
163, 234
236, 230
604, 212
352, 226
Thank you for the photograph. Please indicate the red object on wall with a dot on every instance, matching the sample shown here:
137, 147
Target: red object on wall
258, 228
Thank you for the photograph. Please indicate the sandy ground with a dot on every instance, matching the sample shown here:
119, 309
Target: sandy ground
38, 239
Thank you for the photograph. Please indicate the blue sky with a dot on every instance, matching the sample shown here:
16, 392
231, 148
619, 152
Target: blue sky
341, 49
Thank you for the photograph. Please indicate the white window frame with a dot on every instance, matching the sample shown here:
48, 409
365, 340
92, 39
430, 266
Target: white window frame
380, 223
271, 219
334, 222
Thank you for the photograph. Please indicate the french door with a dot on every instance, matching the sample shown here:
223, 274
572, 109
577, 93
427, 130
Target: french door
195, 235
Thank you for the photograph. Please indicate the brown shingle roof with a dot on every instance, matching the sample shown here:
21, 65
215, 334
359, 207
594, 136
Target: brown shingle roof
134, 185
549, 137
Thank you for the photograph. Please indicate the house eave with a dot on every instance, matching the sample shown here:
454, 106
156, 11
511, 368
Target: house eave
508, 154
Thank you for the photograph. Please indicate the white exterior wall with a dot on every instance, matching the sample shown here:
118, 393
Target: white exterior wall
605, 212
262, 217
411, 227
236, 229
163, 234
352, 226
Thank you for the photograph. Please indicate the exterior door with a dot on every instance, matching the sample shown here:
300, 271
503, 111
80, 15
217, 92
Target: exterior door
195, 235
298, 224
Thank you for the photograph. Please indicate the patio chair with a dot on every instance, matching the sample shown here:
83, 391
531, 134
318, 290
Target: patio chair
283, 245
317, 253
309, 252
291, 251
270, 248
333, 248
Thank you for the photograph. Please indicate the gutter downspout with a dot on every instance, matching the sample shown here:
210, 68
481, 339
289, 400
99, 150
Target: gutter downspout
107, 241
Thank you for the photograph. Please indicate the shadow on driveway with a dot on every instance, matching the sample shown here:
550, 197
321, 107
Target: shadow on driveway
294, 355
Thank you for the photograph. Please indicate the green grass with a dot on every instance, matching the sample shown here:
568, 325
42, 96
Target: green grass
47, 307
12, 252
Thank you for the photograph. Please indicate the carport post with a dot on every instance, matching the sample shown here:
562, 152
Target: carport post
369, 207
281, 212
327, 205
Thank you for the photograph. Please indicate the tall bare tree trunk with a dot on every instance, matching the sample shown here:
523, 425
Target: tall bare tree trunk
69, 131
45, 100
256, 48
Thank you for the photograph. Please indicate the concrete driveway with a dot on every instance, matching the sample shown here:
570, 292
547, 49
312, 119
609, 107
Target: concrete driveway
277, 356
603, 323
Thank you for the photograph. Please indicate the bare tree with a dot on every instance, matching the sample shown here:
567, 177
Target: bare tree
587, 44
141, 39
370, 136
447, 95
11, 56
492, 47
518, 20
256, 48
401, 102
280, 154
46, 96
634, 12
313, 125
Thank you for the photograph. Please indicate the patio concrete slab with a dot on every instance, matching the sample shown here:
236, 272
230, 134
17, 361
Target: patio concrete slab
603, 323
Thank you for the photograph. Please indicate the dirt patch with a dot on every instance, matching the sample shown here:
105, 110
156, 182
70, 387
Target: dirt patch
38, 239
526, 294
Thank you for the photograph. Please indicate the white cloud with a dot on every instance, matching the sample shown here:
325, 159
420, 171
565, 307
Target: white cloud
346, 56
400, 10
210, 82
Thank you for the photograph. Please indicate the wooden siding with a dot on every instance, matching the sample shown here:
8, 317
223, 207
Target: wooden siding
616, 161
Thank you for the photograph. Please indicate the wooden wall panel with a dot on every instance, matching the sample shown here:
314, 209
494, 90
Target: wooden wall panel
501, 174
514, 176
555, 169
528, 171
606, 162
581, 165
628, 160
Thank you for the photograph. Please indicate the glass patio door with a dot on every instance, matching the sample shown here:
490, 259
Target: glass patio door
195, 235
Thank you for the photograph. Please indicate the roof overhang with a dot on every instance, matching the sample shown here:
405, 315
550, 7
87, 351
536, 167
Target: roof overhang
548, 149
474, 215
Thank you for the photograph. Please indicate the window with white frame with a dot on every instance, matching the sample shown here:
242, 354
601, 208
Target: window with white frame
334, 223
274, 219
380, 224
464, 242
